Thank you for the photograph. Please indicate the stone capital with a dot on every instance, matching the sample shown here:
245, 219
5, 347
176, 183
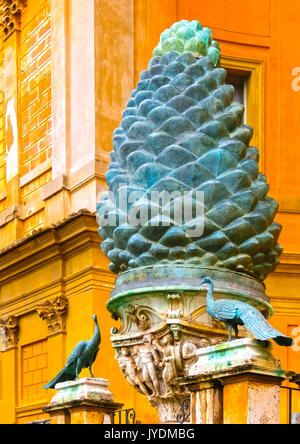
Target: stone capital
10, 332
54, 313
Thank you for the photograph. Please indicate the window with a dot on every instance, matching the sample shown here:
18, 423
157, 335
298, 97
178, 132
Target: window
239, 84
240, 87
248, 78
34, 358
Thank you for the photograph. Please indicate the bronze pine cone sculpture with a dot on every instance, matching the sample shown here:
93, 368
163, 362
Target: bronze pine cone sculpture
182, 131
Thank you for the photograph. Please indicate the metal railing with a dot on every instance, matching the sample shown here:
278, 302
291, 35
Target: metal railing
120, 417
293, 393
293, 416
124, 417
185, 411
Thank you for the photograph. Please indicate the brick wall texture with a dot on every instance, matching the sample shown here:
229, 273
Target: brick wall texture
2, 130
36, 94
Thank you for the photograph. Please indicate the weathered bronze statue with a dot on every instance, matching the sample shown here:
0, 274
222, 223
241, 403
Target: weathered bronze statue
181, 132
83, 356
182, 139
235, 313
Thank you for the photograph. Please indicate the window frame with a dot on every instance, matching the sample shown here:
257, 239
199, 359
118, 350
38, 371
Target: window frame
254, 73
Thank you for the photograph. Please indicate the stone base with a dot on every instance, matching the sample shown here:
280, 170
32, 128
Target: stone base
164, 321
227, 356
235, 383
86, 401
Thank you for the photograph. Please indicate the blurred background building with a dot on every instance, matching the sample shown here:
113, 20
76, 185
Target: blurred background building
67, 69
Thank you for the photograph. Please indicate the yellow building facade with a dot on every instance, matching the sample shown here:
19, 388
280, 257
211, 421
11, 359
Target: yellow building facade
67, 69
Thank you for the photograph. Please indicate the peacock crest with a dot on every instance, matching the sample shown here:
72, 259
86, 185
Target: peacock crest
182, 132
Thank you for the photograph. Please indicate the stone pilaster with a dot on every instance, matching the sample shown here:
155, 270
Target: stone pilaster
238, 382
207, 403
54, 313
9, 340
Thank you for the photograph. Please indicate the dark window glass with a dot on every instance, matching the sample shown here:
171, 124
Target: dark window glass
239, 83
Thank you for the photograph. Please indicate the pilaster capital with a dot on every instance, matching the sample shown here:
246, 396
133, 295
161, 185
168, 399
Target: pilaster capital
10, 15
10, 332
54, 313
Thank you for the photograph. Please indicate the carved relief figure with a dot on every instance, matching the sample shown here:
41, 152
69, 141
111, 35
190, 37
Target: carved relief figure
189, 351
149, 362
130, 370
170, 372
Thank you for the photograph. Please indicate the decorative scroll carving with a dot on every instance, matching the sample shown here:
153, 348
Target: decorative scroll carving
135, 318
157, 344
10, 15
138, 316
54, 313
10, 329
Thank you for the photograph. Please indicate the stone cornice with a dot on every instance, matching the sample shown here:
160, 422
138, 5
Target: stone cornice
52, 252
289, 263
46, 230
90, 278
60, 242
10, 15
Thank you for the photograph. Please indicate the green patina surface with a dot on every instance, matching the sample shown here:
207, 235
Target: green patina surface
69, 393
94, 390
186, 36
118, 301
182, 131
237, 355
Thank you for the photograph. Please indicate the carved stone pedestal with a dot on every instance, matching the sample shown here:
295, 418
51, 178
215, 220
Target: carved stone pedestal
164, 322
87, 401
235, 383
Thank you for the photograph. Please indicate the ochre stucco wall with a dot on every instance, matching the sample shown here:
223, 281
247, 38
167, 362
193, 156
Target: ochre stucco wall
70, 100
